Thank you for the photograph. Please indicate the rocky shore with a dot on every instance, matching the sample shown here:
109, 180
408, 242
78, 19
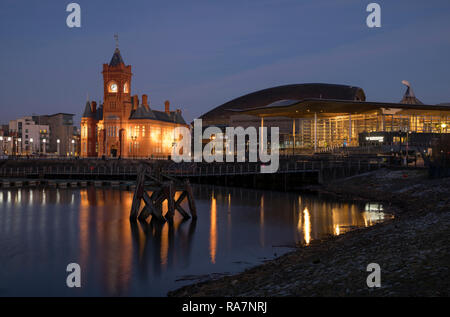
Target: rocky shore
413, 249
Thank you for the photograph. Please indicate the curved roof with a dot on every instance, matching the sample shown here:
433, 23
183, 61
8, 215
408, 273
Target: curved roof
288, 92
308, 108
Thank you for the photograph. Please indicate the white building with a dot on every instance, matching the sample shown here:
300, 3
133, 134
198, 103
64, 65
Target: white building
31, 137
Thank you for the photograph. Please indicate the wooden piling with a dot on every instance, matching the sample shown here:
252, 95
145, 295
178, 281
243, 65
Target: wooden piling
165, 190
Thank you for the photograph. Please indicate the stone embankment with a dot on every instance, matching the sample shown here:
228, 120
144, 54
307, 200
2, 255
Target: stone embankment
413, 249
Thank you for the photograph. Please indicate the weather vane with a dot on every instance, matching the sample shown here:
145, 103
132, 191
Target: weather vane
116, 37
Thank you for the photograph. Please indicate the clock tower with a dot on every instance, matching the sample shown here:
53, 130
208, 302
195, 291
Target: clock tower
116, 105
122, 126
116, 85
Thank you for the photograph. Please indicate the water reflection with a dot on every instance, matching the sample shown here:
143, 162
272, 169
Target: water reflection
43, 230
213, 230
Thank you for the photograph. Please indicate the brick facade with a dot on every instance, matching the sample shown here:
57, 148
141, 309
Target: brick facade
123, 126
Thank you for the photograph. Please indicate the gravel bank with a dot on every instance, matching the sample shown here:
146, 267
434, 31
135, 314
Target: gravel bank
413, 250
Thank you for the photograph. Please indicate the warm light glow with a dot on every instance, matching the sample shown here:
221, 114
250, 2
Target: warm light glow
443, 125
337, 230
155, 134
168, 139
307, 226
112, 87
213, 231
125, 88
164, 244
261, 222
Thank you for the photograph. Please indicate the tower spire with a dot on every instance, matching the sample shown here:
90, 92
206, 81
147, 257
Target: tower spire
116, 38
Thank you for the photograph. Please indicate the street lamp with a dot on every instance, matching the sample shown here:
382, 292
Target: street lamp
58, 144
32, 149
9, 145
45, 141
20, 145
73, 147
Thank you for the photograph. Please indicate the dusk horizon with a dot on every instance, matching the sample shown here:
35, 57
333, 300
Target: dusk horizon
201, 55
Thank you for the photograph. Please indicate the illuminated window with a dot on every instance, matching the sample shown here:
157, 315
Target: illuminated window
126, 88
112, 87
143, 130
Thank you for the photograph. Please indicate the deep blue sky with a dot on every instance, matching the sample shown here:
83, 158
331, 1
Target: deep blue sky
200, 54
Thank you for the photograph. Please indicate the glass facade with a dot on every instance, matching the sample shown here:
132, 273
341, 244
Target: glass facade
345, 130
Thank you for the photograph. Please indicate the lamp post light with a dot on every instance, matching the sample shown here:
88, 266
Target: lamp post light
32, 149
58, 143
20, 145
45, 142
73, 147
9, 145
1, 146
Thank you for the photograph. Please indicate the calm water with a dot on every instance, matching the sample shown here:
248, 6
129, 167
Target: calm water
41, 231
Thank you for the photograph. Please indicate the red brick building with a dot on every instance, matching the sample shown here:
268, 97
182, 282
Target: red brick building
123, 126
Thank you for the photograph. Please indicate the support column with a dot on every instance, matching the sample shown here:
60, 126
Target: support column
261, 144
349, 129
315, 131
293, 136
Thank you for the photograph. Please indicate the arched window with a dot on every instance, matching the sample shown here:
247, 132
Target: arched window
112, 87
126, 88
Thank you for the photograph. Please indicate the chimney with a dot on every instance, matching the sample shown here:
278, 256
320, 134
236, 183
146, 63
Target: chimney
167, 106
93, 106
135, 102
144, 100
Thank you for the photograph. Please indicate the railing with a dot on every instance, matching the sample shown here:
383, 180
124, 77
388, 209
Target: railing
192, 169
79, 171
222, 169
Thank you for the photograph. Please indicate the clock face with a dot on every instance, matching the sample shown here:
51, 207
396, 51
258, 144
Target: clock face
113, 87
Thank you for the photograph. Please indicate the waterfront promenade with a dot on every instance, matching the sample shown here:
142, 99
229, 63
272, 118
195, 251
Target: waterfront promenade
292, 171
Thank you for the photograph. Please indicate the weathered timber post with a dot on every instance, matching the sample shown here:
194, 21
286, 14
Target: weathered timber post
169, 192
190, 198
164, 191
138, 194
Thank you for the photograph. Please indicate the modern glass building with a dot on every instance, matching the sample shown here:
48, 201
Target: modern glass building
327, 116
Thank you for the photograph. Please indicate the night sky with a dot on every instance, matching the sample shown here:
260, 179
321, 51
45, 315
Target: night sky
200, 54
